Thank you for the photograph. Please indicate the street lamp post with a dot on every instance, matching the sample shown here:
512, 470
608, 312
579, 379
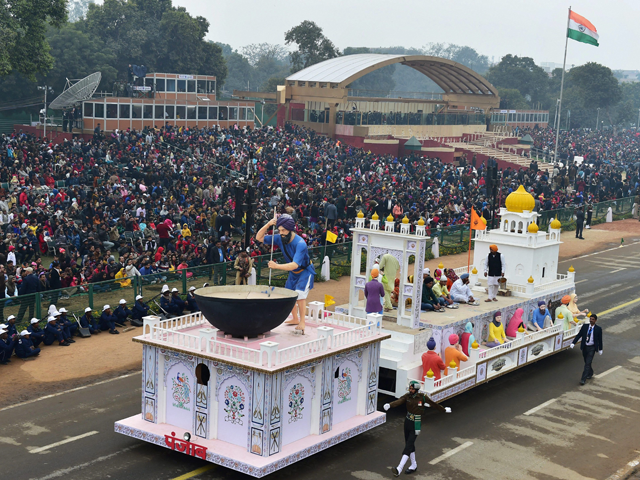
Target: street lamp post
46, 89
638, 124
598, 118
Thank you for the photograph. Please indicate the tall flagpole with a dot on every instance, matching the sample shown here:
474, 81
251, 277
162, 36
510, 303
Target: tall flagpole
564, 64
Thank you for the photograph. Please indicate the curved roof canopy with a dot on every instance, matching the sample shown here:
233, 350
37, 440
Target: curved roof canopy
450, 76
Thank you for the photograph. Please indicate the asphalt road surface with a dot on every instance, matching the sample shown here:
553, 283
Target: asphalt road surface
535, 423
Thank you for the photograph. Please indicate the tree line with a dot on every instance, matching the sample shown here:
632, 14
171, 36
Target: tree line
42, 47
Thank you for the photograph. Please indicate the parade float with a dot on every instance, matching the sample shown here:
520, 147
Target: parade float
234, 386
531, 277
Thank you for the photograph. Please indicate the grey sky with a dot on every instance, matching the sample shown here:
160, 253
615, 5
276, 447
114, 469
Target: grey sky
493, 27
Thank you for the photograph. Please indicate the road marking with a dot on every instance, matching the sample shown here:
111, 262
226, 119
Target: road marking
600, 375
580, 281
618, 270
69, 391
66, 471
598, 253
616, 308
448, 454
195, 472
540, 407
62, 442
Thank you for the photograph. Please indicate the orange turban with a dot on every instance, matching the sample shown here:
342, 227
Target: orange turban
375, 273
566, 299
493, 248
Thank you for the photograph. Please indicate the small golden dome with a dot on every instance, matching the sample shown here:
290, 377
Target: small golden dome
474, 271
571, 269
440, 266
360, 214
521, 329
453, 364
421, 222
405, 220
430, 374
556, 224
475, 344
375, 216
530, 280
390, 218
560, 315
533, 228
519, 201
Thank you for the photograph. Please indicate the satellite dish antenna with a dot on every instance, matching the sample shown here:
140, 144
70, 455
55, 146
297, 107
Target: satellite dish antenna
78, 92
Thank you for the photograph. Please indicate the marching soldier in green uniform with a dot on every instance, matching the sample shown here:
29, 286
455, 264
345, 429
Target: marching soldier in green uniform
416, 403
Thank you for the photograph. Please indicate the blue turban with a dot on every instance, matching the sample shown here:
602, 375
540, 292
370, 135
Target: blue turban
541, 303
286, 221
431, 344
464, 275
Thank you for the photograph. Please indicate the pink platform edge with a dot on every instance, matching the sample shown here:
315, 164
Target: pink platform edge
237, 458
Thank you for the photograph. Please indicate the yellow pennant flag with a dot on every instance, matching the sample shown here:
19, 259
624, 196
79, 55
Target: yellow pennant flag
331, 237
328, 301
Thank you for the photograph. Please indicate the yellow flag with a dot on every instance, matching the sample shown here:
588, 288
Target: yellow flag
328, 301
331, 237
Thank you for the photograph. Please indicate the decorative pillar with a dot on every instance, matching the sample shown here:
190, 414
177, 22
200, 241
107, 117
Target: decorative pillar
530, 288
405, 227
520, 332
316, 311
453, 368
420, 228
429, 380
474, 352
326, 332
389, 225
148, 323
376, 318
571, 273
360, 220
272, 349
473, 277
207, 335
374, 224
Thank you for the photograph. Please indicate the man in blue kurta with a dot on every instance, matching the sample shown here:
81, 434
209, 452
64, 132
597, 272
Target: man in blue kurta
298, 263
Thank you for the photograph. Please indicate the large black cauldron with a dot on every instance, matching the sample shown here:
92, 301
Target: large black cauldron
245, 310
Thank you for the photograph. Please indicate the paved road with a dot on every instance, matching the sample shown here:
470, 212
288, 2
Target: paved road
583, 432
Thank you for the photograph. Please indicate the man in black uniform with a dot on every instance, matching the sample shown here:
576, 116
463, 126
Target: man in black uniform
579, 223
416, 403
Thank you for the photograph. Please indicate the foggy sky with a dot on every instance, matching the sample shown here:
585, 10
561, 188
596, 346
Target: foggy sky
493, 27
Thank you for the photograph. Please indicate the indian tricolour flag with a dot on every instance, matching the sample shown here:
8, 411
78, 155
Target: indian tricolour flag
582, 30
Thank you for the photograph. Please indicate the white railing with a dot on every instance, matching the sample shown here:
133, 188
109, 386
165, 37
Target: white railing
175, 338
517, 288
500, 349
460, 270
343, 320
354, 335
235, 352
296, 352
546, 286
572, 332
184, 321
561, 276
547, 332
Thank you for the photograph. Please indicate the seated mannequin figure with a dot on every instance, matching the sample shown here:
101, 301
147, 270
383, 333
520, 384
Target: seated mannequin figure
540, 318
575, 311
454, 353
566, 313
432, 361
467, 338
496, 331
515, 323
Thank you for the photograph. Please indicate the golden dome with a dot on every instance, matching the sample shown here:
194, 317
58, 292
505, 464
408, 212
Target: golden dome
430, 374
560, 315
519, 201
453, 364
405, 220
360, 214
474, 271
571, 269
520, 329
475, 344
421, 222
375, 216
530, 280
390, 218
533, 228
555, 224
440, 266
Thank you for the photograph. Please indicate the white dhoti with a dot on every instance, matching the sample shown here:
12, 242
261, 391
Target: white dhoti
492, 283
